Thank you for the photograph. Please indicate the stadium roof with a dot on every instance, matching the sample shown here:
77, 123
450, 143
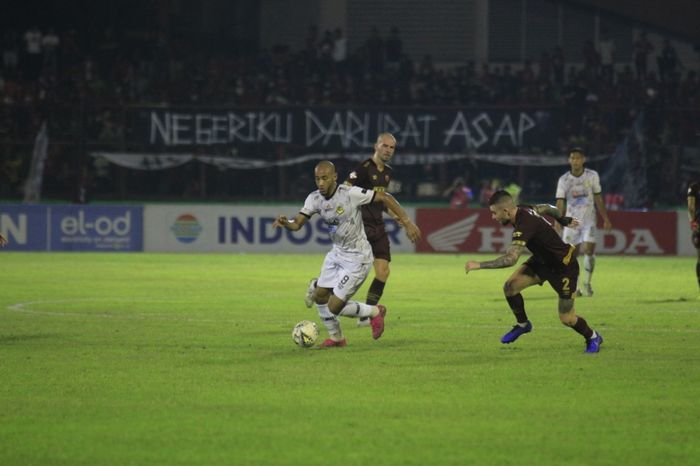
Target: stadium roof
678, 17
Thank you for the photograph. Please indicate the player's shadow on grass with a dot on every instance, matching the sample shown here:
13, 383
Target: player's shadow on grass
680, 299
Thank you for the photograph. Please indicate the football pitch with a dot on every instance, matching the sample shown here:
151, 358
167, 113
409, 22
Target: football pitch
177, 359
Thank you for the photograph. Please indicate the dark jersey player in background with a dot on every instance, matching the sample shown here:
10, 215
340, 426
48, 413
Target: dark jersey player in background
694, 219
552, 261
375, 174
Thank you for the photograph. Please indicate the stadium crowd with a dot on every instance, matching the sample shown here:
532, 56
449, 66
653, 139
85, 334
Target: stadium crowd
44, 73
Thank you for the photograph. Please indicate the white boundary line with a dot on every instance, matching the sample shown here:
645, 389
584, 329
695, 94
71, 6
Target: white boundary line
24, 308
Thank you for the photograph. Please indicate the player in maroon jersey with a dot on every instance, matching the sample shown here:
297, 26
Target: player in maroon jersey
552, 261
375, 173
694, 219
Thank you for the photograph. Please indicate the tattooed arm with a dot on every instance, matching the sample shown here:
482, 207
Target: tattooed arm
509, 259
556, 214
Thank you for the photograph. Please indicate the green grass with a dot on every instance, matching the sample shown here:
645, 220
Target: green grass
145, 359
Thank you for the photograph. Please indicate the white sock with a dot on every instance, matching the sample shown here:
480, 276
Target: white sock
355, 309
588, 266
330, 321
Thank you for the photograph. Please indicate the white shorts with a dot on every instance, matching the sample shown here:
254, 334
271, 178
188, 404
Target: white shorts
584, 233
344, 277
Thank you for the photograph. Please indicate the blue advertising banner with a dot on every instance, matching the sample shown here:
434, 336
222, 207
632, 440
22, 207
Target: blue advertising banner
96, 228
25, 227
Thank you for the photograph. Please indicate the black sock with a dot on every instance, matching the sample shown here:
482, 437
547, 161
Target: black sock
374, 294
581, 326
697, 272
517, 305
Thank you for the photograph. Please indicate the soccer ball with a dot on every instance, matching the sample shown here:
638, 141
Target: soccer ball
305, 333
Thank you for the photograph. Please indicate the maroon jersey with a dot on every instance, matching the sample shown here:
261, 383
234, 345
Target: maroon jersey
367, 175
533, 231
694, 191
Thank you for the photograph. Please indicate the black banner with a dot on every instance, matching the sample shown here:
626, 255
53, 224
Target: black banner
318, 129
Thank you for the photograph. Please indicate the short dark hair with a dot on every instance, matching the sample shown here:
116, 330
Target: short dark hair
499, 196
577, 149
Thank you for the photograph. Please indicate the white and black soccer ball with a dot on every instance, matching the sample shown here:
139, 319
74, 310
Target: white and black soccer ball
305, 333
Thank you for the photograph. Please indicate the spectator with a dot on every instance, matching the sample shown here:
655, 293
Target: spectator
9, 52
394, 48
459, 193
375, 52
514, 190
326, 47
340, 50
545, 72
642, 49
591, 58
50, 43
32, 52
606, 48
311, 42
488, 187
558, 65
667, 61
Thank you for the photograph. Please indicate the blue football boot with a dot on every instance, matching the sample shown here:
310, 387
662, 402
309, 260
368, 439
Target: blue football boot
515, 333
593, 345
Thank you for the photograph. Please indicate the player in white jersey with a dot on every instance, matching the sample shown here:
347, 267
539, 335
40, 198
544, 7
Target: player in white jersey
348, 263
578, 196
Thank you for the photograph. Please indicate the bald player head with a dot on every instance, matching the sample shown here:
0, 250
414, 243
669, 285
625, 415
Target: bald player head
326, 177
384, 148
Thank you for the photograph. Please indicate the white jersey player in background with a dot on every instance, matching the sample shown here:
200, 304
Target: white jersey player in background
348, 263
578, 196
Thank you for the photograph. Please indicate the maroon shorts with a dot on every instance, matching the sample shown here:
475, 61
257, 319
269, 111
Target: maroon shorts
563, 280
379, 240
